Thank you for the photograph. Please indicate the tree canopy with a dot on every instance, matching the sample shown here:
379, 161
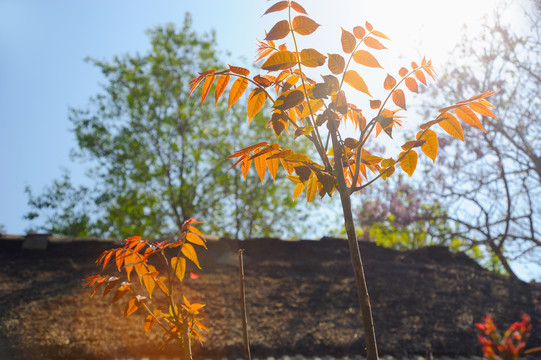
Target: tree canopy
158, 158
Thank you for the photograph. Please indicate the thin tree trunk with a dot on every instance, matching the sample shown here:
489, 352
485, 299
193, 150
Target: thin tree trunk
356, 260
187, 342
360, 279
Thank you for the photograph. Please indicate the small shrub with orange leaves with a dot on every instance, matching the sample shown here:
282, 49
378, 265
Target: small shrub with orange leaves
180, 321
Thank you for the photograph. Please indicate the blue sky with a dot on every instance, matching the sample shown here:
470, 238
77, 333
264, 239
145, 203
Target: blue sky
43, 45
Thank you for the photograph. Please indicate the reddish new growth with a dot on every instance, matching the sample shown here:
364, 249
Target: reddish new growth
509, 347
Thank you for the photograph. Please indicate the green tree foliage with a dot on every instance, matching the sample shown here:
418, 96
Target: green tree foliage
63, 206
495, 203
159, 158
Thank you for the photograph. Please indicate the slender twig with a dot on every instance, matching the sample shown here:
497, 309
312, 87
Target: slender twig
243, 308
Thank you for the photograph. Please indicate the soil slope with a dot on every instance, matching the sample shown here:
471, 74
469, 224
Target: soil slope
301, 299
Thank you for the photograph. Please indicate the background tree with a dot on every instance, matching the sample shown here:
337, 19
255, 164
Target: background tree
64, 207
159, 158
495, 200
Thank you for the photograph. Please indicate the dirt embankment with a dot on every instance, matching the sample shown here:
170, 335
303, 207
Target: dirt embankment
301, 299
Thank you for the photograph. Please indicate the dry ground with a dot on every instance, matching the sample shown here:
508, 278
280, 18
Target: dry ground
301, 300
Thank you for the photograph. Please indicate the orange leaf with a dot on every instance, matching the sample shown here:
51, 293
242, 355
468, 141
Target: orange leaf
129, 262
359, 32
411, 84
278, 31
311, 189
120, 292
237, 89
420, 76
149, 283
289, 99
430, 147
256, 100
133, 305
195, 239
409, 162
403, 71
336, 63
373, 43
363, 57
469, 117
312, 58
368, 26
299, 188
109, 255
245, 167
295, 6
482, 109
272, 165
375, 104
389, 82
380, 34
189, 252
399, 99
348, 41
206, 87
221, 84
260, 164
263, 81
280, 60
451, 125
353, 79
178, 264
149, 323
428, 124
279, 6
239, 70
303, 25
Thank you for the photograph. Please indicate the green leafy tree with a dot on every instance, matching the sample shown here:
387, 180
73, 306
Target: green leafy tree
159, 158
64, 207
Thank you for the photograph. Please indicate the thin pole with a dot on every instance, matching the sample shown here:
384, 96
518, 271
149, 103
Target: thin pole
243, 308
